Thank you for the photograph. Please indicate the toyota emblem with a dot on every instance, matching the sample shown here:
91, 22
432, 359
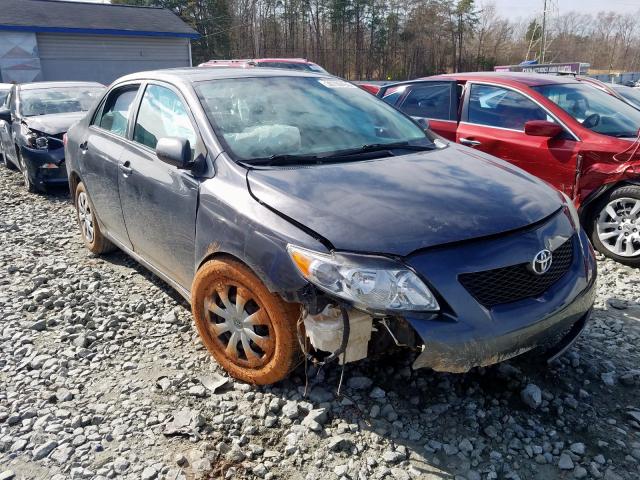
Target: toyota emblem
542, 262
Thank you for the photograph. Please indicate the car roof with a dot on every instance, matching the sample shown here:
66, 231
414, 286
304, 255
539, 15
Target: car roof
43, 85
195, 74
529, 79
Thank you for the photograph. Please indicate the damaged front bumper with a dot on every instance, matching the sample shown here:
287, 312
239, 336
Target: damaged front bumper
46, 166
471, 335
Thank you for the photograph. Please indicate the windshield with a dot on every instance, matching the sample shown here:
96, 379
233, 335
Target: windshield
43, 101
259, 117
307, 67
631, 94
594, 109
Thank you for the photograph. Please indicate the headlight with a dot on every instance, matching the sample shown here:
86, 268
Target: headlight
35, 139
573, 212
373, 283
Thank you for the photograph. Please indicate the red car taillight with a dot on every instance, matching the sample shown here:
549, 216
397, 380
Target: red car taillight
64, 139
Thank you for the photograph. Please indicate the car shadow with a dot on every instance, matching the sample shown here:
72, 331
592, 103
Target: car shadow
450, 424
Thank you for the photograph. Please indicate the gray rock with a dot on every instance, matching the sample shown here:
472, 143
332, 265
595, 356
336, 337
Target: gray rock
580, 472
377, 393
531, 395
565, 462
121, 465
359, 383
578, 448
63, 395
291, 410
43, 450
149, 473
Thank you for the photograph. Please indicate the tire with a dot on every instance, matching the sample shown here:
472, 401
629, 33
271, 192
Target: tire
26, 174
264, 337
92, 237
614, 225
7, 163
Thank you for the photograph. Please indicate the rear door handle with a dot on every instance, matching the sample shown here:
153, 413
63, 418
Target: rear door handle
84, 146
469, 142
124, 168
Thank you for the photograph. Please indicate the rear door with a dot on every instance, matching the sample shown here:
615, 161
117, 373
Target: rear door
160, 201
432, 100
492, 121
100, 154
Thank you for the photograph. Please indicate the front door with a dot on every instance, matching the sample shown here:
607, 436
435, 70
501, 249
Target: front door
432, 100
493, 119
159, 201
100, 154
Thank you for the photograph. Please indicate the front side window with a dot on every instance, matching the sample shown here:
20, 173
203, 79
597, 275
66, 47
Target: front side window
162, 114
265, 116
594, 109
501, 107
113, 116
429, 100
40, 101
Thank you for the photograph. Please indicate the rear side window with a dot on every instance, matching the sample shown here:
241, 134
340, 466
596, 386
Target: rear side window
162, 114
428, 101
503, 108
113, 115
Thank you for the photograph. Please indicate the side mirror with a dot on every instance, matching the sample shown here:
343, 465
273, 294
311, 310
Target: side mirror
174, 151
423, 123
5, 114
542, 128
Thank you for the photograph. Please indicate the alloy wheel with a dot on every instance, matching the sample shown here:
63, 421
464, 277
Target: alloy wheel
618, 227
25, 172
85, 216
239, 325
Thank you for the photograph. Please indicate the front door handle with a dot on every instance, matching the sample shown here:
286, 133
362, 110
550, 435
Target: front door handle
84, 146
124, 168
469, 142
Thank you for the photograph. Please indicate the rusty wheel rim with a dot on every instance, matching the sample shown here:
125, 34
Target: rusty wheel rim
238, 325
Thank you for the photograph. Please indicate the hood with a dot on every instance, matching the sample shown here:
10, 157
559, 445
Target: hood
53, 124
400, 204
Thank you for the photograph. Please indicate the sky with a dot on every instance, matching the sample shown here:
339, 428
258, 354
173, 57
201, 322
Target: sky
513, 9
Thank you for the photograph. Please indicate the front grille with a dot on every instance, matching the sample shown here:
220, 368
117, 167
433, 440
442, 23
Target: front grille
516, 282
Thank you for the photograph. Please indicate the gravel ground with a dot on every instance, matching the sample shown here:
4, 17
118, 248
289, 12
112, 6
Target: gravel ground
102, 376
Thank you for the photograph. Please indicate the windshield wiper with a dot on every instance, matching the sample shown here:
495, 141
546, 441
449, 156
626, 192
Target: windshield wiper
291, 159
382, 147
282, 159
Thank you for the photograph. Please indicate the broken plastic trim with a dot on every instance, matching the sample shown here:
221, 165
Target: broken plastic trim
346, 330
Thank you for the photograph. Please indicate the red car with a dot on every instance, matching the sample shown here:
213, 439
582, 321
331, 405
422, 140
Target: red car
576, 137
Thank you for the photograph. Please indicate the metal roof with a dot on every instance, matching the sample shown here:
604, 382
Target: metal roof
196, 74
529, 79
50, 85
91, 18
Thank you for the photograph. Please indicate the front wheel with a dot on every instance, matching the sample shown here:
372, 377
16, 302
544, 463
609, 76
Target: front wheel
615, 225
26, 173
250, 331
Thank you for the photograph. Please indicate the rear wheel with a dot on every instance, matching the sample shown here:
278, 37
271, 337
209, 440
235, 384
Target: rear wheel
250, 331
7, 163
93, 238
615, 225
